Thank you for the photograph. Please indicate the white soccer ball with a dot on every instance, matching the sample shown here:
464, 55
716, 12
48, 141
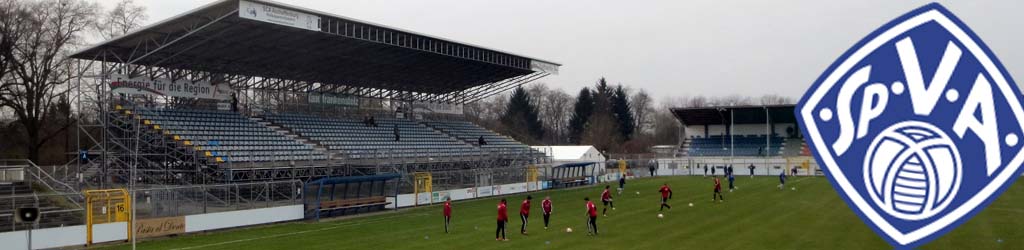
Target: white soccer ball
912, 170
792, 188
568, 230
637, 192
660, 216
691, 204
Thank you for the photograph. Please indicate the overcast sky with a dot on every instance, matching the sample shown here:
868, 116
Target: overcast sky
672, 47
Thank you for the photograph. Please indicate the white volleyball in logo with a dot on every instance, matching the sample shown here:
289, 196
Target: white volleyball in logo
912, 170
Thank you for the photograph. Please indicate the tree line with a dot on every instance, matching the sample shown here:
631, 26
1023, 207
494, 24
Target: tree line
613, 117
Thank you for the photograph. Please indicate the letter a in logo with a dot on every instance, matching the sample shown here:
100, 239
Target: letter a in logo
918, 126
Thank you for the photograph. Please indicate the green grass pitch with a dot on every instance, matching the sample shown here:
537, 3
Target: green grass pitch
755, 216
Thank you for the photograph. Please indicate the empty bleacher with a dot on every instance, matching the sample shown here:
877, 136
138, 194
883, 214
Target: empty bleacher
357, 140
743, 145
225, 137
471, 133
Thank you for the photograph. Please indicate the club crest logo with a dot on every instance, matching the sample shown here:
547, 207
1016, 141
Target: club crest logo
918, 126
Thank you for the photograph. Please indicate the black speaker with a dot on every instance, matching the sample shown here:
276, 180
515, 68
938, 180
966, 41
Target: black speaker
26, 214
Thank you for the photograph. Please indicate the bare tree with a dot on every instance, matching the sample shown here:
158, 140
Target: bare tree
773, 99
14, 21
487, 111
123, 18
641, 106
696, 102
732, 100
40, 66
537, 92
556, 108
666, 126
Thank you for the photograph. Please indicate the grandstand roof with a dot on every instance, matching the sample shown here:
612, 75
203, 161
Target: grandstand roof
741, 114
276, 46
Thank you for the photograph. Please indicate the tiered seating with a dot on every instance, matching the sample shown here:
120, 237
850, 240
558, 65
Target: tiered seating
471, 133
359, 141
225, 136
744, 145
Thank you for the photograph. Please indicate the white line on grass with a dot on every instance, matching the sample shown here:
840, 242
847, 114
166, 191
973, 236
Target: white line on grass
284, 234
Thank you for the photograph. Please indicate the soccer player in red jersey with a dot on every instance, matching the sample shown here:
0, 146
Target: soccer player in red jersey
592, 215
502, 219
447, 213
666, 194
546, 206
718, 191
524, 213
606, 199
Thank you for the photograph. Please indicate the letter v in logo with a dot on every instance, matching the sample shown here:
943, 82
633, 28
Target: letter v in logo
917, 126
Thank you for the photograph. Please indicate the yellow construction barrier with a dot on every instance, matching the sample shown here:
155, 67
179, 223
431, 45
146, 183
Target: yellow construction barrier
107, 206
532, 174
423, 183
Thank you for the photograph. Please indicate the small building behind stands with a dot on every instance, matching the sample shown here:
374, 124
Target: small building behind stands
572, 154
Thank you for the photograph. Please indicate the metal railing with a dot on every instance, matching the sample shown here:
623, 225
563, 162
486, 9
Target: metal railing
37, 175
179, 201
52, 212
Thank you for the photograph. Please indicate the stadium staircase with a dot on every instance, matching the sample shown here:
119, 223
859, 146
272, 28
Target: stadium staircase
287, 132
470, 133
795, 147
684, 148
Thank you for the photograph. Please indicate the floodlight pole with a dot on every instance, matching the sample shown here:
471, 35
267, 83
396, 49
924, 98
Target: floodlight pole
768, 136
131, 186
732, 135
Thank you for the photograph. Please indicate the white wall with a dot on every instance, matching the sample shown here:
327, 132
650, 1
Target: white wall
63, 236
407, 200
695, 166
203, 222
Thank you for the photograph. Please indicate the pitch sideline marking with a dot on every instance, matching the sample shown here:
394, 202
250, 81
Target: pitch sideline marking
314, 230
284, 234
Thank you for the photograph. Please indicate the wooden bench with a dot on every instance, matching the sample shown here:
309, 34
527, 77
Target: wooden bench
355, 203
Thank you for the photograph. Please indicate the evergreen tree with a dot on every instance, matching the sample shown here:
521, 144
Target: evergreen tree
623, 113
581, 113
602, 129
522, 118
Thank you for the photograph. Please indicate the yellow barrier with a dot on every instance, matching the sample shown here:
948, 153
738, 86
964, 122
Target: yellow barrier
107, 206
423, 184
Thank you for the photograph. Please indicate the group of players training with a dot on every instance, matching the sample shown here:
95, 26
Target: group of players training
548, 209
591, 208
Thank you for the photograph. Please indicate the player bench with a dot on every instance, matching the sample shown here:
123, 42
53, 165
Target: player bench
356, 203
571, 181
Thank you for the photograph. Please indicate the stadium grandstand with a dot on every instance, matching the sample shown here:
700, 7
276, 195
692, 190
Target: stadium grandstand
739, 131
238, 103
741, 136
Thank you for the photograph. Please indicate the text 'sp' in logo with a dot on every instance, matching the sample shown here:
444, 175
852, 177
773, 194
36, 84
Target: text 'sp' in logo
918, 126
